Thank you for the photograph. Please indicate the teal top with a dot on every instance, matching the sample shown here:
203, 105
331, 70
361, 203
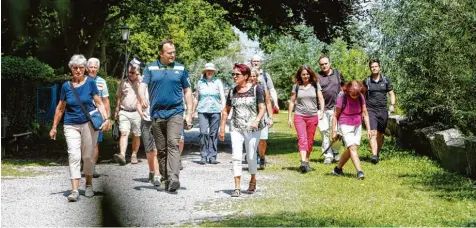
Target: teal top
209, 95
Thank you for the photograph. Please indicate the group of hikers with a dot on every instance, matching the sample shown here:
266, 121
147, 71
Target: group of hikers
159, 104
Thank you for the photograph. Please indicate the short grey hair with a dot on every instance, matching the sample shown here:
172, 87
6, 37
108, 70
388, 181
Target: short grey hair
93, 61
134, 67
77, 59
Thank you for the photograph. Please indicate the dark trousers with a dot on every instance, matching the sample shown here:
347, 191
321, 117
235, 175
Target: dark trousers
209, 125
167, 134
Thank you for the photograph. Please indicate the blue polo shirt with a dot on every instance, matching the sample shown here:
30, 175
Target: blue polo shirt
166, 84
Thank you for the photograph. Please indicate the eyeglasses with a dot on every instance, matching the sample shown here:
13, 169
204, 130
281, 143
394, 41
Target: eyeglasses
236, 74
77, 67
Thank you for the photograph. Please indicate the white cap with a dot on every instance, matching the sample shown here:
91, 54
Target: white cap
210, 66
256, 57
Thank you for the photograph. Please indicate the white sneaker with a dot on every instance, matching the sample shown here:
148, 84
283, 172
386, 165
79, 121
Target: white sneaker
74, 196
156, 181
336, 157
89, 191
328, 161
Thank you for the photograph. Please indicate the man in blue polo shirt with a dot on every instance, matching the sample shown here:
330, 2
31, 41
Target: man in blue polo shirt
168, 84
378, 86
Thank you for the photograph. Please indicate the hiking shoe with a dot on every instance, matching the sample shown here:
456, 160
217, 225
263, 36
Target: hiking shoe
328, 161
174, 185
303, 167
213, 160
89, 191
119, 158
337, 171
360, 175
203, 161
74, 196
236, 193
134, 159
308, 167
156, 181
262, 163
151, 177
374, 159
336, 157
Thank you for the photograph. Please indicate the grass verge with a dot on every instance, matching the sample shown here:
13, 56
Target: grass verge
404, 189
23, 168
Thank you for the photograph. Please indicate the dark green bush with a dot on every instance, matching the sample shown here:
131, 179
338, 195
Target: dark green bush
20, 80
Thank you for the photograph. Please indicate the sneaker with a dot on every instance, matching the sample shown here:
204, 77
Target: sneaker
95, 174
134, 159
203, 161
236, 193
360, 175
174, 185
337, 171
156, 181
151, 177
262, 163
374, 159
336, 157
89, 191
328, 161
213, 160
303, 167
74, 196
82, 174
119, 158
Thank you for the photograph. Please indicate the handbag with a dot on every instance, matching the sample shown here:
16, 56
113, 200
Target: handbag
94, 116
116, 134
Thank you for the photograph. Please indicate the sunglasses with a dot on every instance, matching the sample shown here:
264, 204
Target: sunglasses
236, 74
77, 67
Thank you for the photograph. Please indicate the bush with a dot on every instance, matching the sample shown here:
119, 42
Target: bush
20, 80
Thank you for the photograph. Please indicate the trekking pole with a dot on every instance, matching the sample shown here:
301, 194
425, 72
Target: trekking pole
332, 143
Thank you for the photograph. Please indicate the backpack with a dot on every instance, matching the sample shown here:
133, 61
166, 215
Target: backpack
265, 78
367, 83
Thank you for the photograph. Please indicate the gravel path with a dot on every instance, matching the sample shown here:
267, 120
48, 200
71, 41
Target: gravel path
123, 196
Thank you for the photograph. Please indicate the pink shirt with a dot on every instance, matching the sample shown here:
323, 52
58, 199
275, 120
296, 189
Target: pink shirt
352, 114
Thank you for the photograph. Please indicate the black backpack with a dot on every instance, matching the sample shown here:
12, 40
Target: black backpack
344, 102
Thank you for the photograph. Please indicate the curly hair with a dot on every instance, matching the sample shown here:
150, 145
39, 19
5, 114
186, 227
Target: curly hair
313, 76
347, 86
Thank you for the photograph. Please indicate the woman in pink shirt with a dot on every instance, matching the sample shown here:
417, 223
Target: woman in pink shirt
350, 110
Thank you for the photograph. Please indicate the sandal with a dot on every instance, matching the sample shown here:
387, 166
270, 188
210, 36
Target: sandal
236, 193
252, 188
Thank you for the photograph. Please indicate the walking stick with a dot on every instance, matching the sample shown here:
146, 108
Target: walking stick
333, 141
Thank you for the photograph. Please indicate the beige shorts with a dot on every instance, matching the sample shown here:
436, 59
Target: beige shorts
351, 135
130, 121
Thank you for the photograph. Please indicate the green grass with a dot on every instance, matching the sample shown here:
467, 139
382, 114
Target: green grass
404, 189
22, 168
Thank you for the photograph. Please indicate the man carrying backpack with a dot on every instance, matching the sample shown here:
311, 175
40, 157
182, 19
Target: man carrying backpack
378, 86
265, 80
331, 81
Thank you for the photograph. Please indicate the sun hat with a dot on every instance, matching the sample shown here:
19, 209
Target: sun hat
210, 66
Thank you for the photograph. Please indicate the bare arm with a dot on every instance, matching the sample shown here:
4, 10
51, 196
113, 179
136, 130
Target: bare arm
269, 107
107, 105
392, 101
144, 102
189, 102
261, 112
334, 122
118, 104
291, 108
320, 98
195, 103
224, 117
365, 114
60, 108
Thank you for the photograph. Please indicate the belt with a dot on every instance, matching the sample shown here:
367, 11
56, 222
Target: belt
128, 110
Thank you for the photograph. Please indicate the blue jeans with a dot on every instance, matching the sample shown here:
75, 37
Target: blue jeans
209, 125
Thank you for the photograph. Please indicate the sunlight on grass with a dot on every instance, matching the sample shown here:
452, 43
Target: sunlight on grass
22, 168
404, 189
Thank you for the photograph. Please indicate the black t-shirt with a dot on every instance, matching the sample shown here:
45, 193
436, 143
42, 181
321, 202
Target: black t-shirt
377, 92
331, 86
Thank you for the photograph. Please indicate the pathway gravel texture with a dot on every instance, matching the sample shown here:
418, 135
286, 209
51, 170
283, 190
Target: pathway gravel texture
123, 197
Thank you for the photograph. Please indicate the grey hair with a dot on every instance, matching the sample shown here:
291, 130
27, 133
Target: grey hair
135, 67
93, 61
77, 59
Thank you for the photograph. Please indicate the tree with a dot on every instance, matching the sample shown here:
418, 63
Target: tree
429, 47
328, 19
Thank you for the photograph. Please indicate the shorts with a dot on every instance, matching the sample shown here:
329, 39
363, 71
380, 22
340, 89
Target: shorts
130, 121
100, 134
378, 120
351, 135
147, 136
264, 133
